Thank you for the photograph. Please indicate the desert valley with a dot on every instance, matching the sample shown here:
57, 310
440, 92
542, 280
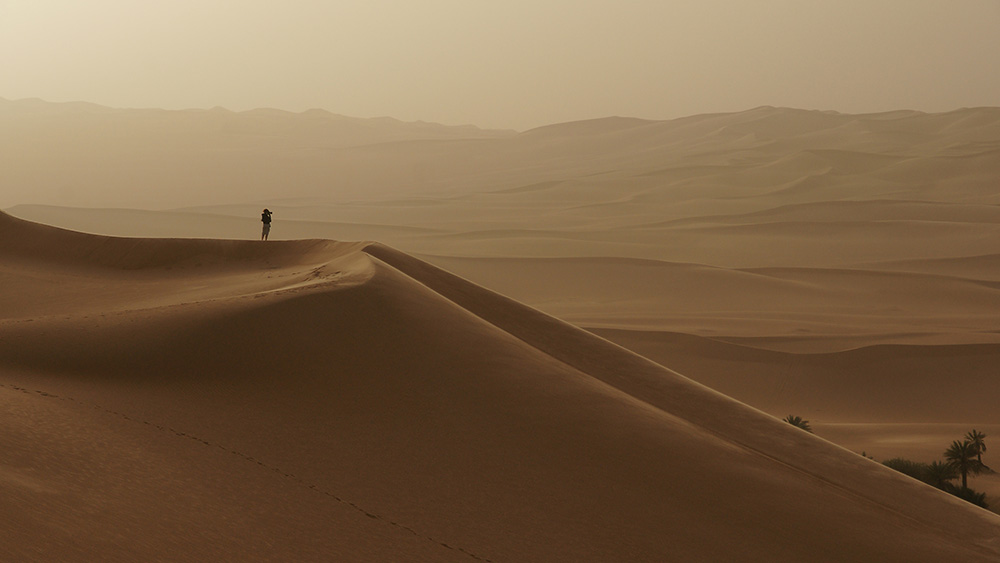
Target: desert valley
571, 343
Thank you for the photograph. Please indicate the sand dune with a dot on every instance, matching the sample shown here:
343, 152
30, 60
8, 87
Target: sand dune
197, 394
881, 383
159, 157
889, 400
309, 400
793, 309
98, 157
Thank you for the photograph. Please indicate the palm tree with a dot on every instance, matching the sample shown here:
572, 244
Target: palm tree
939, 473
978, 441
797, 421
962, 456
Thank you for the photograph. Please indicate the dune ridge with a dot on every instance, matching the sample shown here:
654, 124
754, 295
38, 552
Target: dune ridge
313, 399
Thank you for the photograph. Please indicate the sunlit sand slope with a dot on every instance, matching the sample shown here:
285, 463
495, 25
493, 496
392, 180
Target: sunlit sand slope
311, 400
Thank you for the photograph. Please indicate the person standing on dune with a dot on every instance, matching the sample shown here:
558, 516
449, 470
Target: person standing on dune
265, 218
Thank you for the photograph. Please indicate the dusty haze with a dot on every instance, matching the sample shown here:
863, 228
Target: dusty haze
504, 65
496, 342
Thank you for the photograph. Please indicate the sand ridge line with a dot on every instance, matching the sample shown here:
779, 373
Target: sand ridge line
272, 468
839, 488
843, 490
461, 292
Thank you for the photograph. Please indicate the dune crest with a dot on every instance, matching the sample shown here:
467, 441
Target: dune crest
313, 400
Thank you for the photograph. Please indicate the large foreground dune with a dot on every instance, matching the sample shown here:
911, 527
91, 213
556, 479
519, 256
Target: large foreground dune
205, 399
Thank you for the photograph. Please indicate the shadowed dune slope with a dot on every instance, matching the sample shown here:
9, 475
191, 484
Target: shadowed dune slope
879, 384
319, 401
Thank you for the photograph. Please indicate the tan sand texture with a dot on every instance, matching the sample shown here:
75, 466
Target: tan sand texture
839, 267
310, 400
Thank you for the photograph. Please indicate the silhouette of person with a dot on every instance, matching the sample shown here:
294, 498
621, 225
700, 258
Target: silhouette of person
265, 218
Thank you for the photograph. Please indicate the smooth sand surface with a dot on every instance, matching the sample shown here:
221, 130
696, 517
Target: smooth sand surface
350, 401
302, 398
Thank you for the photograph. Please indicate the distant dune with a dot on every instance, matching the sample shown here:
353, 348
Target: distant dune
193, 399
643, 171
84, 154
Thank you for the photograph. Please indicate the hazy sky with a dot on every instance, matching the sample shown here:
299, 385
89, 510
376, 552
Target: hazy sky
510, 64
